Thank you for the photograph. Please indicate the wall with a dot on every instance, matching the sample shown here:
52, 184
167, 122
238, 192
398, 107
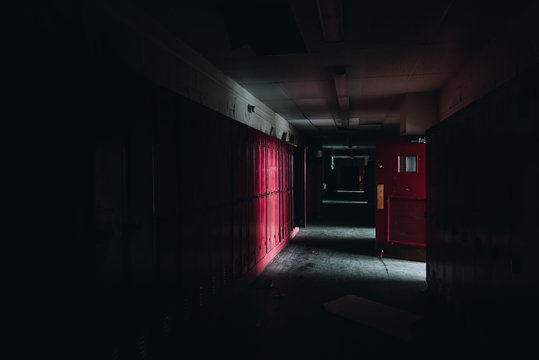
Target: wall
122, 31
419, 111
510, 52
313, 191
483, 206
193, 198
190, 206
139, 215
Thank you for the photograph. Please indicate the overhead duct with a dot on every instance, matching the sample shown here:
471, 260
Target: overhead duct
331, 19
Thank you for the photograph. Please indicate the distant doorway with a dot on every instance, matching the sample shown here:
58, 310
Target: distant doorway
349, 186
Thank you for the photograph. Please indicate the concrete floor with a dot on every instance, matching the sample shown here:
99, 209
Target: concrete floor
282, 316
330, 258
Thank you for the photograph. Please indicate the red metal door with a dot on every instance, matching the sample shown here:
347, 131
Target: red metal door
401, 195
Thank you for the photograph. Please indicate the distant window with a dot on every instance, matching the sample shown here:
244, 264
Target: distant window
407, 164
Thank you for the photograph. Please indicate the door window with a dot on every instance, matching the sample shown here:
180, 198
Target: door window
407, 164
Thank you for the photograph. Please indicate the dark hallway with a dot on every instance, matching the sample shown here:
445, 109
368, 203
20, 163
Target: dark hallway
331, 258
282, 313
251, 179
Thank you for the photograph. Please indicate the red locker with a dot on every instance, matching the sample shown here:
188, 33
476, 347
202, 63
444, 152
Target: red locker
273, 164
289, 213
283, 189
275, 223
269, 167
245, 218
281, 216
261, 246
226, 247
279, 190
269, 218
286, 212
236, 163
260, 171
253, 230
272, 219
283, 168
222, 160
252, 163
216, 217
268, 146
236, 240
243, 159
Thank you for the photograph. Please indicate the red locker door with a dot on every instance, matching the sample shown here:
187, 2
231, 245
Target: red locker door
269, 233
275, 195
279, 193
252, 163
261, 165
253, 233
245, 236
244, 156
285, 189
269, 188
226, 248
401, 195
291, 204
275, 218
223, 158
236, 239
274, 166
261, 228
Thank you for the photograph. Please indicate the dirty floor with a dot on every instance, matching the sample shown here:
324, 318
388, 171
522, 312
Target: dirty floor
282, 316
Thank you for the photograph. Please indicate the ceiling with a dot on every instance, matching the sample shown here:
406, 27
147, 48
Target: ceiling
277, 51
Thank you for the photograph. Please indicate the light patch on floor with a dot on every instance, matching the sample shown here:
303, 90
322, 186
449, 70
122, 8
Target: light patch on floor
341, 254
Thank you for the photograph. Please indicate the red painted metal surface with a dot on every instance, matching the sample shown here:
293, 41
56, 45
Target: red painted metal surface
406, 221
308, 191
401, 169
